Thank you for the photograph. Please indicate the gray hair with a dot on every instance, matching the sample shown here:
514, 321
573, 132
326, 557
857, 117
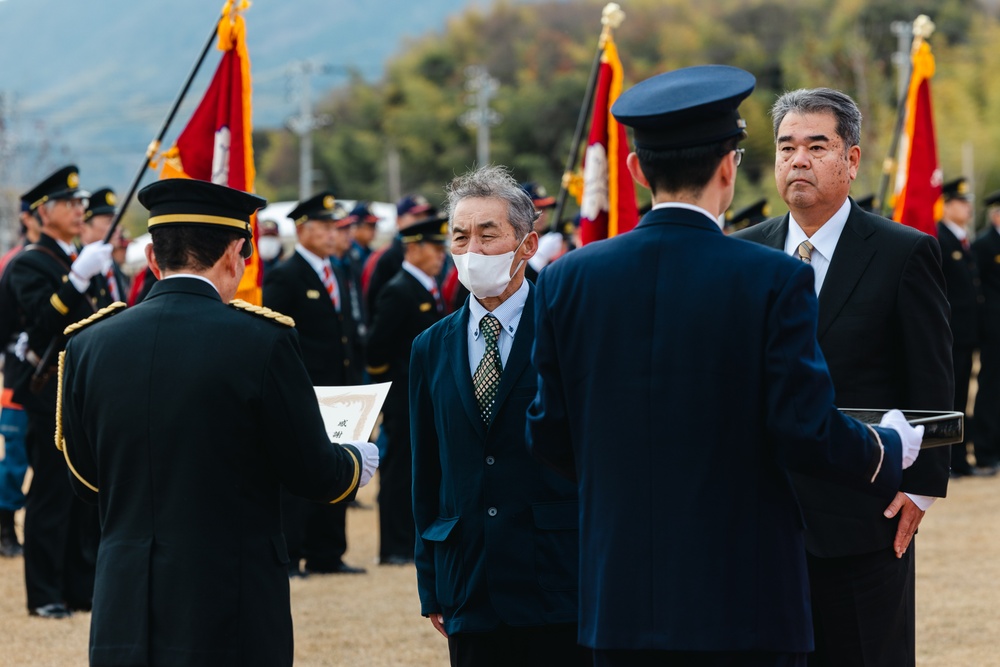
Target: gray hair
494, 181
821, 100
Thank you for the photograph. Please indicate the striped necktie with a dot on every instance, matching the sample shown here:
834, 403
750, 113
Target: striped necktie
486, 379
437, 298
331, 287
805, 251
112, 284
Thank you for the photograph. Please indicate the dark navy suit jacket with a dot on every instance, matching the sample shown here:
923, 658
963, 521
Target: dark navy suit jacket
496, 531
680, 409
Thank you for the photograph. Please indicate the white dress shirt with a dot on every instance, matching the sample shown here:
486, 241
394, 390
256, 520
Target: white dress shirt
509, 313
318, 264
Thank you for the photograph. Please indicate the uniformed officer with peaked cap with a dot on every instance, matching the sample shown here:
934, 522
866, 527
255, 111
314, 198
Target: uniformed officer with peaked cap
986, 249
186, 454
748, 216
408, 304
52, 286
317, 294
725, 584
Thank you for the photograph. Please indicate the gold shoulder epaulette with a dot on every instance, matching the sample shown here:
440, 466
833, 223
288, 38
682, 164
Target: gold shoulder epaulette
76, 327
263, 312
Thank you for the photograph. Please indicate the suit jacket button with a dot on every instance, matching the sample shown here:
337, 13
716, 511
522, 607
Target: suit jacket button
492, 511
343, 339
490, 460
347, 362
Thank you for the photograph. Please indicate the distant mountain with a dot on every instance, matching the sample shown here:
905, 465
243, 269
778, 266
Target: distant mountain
91, 82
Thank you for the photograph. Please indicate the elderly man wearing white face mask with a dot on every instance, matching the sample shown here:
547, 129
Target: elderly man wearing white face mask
496, 550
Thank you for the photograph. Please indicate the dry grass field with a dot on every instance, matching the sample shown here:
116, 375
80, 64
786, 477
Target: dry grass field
374, 619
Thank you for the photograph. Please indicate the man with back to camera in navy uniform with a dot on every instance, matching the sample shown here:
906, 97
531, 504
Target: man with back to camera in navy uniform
965, 298
883, 329
986, 249
215, 416
51, 287
631, 403
96, 223
407, 305
497, 553
314, 291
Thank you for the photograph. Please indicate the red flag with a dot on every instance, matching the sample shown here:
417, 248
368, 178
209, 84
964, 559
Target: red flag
918, 179
217, 144
608, 205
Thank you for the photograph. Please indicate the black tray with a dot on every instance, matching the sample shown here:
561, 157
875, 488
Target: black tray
940, 428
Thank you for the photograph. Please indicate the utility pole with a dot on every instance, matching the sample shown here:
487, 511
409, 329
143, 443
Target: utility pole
483, 88
306, 121
903, 30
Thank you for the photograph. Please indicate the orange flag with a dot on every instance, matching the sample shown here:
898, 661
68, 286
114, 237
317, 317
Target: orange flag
608, 203
217, 144
918, 178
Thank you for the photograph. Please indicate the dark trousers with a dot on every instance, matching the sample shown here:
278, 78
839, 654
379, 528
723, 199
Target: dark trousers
987, 411
962, 358
395, 502
542, 646
316, 532
61, 532
604, 658
863, 610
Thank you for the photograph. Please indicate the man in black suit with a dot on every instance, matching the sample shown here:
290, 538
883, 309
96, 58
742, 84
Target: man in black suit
51, 287
215, 415
497, 553
883, 328
407, 305
986, 249
314, 291
965, 298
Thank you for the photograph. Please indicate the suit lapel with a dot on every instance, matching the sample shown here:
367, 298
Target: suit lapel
520, 351
457, 343
850, 260
775, 233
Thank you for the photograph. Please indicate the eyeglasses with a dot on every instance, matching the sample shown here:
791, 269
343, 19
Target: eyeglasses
739, 155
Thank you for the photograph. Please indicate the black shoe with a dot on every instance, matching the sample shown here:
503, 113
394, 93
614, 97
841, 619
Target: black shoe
295, 572
394, 559
984, 471
53, 610
358, 505
960, 472
10, 549
339, 568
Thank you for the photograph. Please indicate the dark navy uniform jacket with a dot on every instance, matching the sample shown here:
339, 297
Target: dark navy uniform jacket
184, 451
496, 531
679, 411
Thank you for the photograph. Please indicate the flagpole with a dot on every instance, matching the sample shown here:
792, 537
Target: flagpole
581, 121
40, 376
922, 29
154, 146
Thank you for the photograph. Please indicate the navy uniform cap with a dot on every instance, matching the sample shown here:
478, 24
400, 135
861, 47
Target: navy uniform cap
102, 202
687, 107
414, 205
61, 184
539, 197
323, 206
992, 199
748, 216
190, 202
957, 188
432, 230
362, 214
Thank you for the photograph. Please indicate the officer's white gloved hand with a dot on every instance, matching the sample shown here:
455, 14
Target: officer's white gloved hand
21, 347
910, 436
369, 463
549, 247
93, 259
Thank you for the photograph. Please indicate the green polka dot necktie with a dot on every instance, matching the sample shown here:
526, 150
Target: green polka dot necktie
486, 379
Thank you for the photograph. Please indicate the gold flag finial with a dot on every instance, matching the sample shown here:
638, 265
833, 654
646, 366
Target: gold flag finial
923, 27
612, 15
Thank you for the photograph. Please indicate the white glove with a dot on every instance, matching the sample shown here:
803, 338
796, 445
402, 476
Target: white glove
93, 259
21, 347
549, 247
369, 463
909, 435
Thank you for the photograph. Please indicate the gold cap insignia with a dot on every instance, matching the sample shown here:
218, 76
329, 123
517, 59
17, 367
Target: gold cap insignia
963, 188
328, 201
766, 210
540, 192
73, 179
424, 307
111, 199
444, 228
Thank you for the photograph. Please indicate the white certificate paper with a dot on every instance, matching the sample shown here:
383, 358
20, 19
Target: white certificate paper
350, 413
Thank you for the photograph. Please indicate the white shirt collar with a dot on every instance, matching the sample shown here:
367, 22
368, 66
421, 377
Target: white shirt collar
429, 284
192, 275
67, 248
823, 239
315, 261
690, 207
959, 232
509, 312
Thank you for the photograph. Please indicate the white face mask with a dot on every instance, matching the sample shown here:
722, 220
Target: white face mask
269, 247
486, 275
